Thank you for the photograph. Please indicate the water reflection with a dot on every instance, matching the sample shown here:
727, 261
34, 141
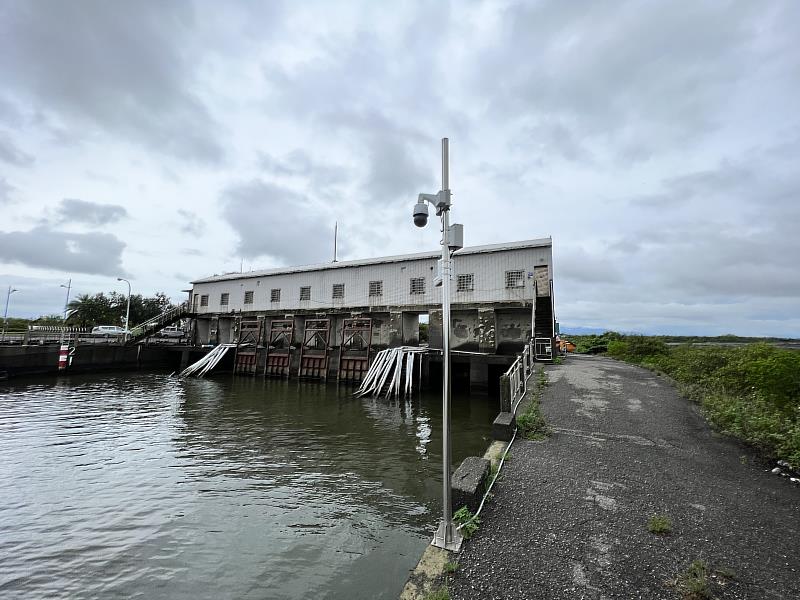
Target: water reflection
146, 486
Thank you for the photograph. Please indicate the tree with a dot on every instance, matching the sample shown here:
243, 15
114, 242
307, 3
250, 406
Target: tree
89, 311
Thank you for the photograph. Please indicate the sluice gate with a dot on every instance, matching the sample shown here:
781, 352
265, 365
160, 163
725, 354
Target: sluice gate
278, 353
314, 349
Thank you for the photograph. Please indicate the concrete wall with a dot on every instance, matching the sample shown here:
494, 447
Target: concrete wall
33, 360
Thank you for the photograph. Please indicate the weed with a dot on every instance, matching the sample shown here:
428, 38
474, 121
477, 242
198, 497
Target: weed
463, 517
543, 380
531, 423
441, 593
558, 360
693, 584
659, 524
451, 567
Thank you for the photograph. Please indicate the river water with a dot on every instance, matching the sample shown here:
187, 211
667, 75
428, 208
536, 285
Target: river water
145, 486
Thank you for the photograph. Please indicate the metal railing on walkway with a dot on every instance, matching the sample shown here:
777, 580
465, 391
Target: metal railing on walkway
158, 322
518, 374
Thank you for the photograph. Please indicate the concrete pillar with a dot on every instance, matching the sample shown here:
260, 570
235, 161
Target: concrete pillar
487, 327
505, 393
410, 329
395, 329
478, 374
435, 329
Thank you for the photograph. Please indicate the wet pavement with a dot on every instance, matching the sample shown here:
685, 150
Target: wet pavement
569, 518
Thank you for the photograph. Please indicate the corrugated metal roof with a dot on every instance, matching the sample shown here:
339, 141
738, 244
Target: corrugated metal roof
537, 243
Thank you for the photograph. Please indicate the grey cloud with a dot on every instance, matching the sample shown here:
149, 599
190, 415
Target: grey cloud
275, 221
644, 79
127, 69
360, 77
5, 191
191, 223
578, 265
725, 180
92, 213
298, 163
398, 157
43, 247
11, 154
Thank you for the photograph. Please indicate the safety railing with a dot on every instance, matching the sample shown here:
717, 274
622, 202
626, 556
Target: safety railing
158, 322
517, 379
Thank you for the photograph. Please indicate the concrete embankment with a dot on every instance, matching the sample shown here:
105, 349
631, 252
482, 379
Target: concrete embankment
41, 360
572, 516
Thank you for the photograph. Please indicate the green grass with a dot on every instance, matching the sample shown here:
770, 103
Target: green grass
659, 525
751, 392
693, 584
531, 423
462, 517
451, 567
441, 593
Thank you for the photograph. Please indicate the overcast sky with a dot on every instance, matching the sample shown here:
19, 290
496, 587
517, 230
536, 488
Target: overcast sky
657, 142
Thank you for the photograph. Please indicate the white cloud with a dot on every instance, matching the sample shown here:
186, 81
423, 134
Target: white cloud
656, 143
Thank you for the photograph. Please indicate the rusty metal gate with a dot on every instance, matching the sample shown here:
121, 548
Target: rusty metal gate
247, 348
314, 350
354, 351
279, 348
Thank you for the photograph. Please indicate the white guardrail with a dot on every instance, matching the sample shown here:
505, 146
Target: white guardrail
518, 374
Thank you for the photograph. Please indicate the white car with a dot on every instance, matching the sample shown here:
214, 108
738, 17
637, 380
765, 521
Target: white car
171, 331
108, 330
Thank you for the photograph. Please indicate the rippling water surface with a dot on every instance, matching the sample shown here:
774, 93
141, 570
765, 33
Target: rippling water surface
145, 486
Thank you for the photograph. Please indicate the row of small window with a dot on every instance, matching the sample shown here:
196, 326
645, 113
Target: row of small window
464, 283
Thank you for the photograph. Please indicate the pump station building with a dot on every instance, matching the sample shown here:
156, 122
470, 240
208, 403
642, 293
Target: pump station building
328, 320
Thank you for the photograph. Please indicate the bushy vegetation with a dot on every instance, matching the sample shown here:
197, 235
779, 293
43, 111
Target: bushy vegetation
100, 309
593, 344
751, 391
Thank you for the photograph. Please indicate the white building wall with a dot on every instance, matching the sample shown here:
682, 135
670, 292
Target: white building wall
488, 268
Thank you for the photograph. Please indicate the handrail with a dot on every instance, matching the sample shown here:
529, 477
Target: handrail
169, 315
518, 374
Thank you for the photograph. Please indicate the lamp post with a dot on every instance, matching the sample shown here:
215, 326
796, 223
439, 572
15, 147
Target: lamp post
5, 314
66, 302
447, 535
128, 309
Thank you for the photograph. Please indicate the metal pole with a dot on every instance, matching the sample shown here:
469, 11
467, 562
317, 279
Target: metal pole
5, 314
66, 302
128, 309
335, 239
447, 535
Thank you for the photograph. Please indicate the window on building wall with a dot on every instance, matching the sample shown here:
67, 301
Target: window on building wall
224, 298
417, 285
204, 300
248, 297
515, 279
375, 289
196, 300
275, 295
305, 292
338, 290
465, 282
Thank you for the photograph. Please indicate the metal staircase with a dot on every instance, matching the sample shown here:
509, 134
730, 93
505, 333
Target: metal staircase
158, 322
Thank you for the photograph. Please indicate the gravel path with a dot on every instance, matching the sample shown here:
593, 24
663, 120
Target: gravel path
569, 516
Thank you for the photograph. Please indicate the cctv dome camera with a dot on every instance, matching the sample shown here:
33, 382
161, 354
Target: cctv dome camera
420, 214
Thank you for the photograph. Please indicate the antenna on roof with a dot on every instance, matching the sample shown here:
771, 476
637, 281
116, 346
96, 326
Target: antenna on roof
335, 239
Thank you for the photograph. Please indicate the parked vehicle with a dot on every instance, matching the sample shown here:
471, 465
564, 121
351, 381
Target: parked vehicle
171, 331
108, 330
